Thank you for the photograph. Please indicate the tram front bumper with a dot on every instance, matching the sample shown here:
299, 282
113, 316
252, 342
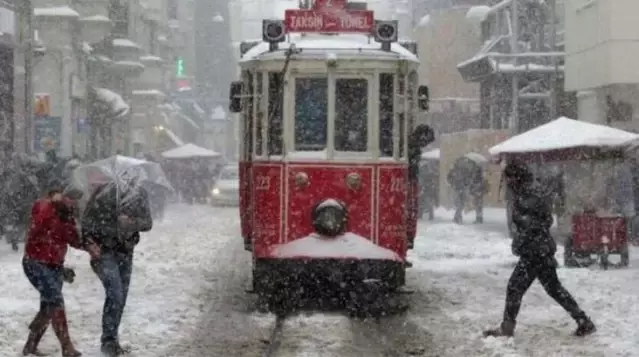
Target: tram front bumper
328, 273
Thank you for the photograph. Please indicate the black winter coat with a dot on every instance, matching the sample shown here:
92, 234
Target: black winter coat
532, 219
100, 220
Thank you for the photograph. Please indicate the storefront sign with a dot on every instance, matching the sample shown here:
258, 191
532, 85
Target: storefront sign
47, 132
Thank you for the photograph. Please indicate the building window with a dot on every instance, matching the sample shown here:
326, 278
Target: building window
119, 14
172, 9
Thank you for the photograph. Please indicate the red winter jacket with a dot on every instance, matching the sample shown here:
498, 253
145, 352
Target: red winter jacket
49, 236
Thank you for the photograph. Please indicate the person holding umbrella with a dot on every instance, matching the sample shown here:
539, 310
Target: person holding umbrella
114, 217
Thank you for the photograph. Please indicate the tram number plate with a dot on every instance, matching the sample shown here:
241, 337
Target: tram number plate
263, 183
397, 185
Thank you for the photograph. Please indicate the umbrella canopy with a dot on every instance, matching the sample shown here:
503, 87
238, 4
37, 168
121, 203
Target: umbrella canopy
431, 155
121, 171
190, 151
561, 137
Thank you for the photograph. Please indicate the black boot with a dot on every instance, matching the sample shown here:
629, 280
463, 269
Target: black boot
506, 329
585, 327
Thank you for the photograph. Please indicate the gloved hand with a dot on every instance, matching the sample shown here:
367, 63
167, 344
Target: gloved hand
68, 275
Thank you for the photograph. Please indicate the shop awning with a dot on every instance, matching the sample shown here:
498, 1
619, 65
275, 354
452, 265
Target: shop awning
118, 105
190, 151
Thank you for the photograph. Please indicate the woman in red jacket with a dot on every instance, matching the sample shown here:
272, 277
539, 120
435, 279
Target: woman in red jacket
51, 231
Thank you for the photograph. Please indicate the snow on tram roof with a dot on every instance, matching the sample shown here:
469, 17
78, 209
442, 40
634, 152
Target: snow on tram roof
343, 45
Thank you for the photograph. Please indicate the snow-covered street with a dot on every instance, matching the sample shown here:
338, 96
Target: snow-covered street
188, 299
467, 268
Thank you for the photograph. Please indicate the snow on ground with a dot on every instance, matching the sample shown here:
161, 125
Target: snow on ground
171, 264
468, 267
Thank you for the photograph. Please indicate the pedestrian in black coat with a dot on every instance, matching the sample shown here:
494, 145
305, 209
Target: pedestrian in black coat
532, 218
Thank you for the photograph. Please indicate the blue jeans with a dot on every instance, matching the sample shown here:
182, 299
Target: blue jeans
114, 270
47, 279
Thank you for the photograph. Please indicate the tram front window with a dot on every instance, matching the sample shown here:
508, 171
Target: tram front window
311, 109
351, 114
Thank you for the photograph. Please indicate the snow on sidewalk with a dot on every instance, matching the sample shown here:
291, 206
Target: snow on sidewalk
170, 265
470, 266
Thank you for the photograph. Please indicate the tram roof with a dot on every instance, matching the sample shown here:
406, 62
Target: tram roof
345, 46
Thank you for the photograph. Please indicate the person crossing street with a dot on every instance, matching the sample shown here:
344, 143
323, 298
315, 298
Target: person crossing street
532, 219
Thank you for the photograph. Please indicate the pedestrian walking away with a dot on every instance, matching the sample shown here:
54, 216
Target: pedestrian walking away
52, 229
114, 218
532, 218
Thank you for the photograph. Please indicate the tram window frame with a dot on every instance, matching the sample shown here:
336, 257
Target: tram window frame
301, 146
247, 113
386, 113
275, 137
259, 114
343, 131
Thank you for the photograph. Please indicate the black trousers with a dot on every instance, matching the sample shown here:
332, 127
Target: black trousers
525, 273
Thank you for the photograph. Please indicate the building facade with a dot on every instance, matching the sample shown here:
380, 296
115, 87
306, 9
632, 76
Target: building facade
520, 66
601, 44
444, 38
101, 75
8, 46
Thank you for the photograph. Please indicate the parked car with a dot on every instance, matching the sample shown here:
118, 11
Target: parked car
226, 189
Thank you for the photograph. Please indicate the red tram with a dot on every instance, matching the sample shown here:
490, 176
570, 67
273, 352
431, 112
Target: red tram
328, 100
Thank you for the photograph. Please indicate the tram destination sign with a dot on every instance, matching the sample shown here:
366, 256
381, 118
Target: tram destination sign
328, 16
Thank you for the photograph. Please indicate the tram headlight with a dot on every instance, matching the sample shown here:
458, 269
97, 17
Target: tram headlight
329, 218
215, 191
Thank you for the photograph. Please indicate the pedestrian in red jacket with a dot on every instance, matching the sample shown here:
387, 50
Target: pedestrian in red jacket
52, 229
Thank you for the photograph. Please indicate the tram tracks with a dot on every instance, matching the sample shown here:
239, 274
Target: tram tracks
336, 335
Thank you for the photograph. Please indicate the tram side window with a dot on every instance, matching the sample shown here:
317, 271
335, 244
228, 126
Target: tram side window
386, 90
311, 113
412, 100
351, 114
248, 114
259, 119
275, 105
401, 94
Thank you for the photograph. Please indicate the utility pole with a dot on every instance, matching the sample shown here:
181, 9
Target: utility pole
514, 118
27, 13
552, 103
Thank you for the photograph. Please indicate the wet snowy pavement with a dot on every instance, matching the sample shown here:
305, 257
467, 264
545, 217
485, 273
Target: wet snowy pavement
188, 299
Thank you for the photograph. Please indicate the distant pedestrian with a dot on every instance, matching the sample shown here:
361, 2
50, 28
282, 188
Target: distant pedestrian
532, 218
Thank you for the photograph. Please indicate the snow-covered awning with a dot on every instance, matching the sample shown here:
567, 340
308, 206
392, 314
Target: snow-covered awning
149, 93
57, 11
564, 139
486, 64
125, 42
151, 59
96, 18
117, 103
190, 151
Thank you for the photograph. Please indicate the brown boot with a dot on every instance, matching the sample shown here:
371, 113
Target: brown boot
37, 328
506, 329
61, 328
